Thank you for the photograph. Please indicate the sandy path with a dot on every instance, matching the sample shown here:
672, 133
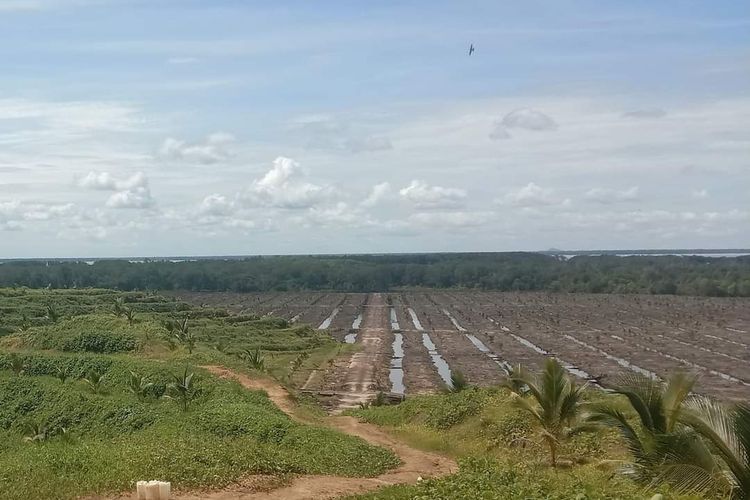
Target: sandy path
415, 463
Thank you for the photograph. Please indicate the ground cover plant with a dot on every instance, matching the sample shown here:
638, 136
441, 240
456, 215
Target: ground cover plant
685, 446
81, 417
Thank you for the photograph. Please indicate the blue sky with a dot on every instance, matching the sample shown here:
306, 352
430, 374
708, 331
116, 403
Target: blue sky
187, 127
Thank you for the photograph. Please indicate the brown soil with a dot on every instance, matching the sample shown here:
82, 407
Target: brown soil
660, 334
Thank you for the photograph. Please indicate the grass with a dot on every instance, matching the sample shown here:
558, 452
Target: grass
91, 442
500, 453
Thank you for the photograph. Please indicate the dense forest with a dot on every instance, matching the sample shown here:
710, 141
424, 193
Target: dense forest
728, 276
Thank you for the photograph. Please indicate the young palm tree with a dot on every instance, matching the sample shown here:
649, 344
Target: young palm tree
52, 313
255, 359
728, 430
139, 385
180, 330
25, 323
16, 363
36, 432
459, 382
183, 389
664, 450
62, 373
557, 403
94, 379
130, 316
118, 307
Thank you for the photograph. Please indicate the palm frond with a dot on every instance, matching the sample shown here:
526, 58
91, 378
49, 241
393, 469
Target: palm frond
605, 415
678, 388
728, 430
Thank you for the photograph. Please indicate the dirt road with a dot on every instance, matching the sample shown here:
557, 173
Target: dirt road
415, 463
364, 375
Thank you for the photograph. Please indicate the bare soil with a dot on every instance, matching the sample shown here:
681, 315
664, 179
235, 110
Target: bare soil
602, 335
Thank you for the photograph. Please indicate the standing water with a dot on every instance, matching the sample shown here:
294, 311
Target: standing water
325, 324
494, 357
396, 373
351, 338
394, 320
442, 367
415, 319
454, 321
357, 322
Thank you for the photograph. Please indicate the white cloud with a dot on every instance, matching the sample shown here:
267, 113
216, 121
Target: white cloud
215, 204
137, 197
131, 192
378, 194
213, 150
529, 119
338, 215
532, 195
106, 182
608, 196
14, 213
283, 187
422, 195
646, 113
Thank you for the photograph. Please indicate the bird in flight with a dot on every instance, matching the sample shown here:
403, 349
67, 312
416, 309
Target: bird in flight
471, 49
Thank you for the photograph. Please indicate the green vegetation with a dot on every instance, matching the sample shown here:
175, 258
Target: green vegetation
670, 440
91, 420
690, 442
557, 407
726, 276
501, 455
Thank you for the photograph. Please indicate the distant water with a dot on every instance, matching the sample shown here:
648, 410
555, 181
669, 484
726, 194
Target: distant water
712, 255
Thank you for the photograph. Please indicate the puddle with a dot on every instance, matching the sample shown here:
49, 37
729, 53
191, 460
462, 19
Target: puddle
494, 357
578, 372
442, 367
454, 321
350, 338
622, 362
394, 320
396, 372
415, 319
295, 318
735, 330
325, 324
357, 322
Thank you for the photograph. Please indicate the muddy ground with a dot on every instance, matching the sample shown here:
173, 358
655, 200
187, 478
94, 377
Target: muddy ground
481, 333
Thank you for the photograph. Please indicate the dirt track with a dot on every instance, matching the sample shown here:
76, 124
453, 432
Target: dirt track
415, 463
365, 373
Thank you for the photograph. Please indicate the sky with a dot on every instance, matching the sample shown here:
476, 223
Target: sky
185, 127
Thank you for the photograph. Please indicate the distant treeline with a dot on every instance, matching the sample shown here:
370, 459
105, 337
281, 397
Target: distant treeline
707, 276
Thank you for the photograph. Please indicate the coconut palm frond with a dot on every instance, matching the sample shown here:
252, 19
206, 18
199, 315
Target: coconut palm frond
728, 430
689, 478
678, 388
612, 417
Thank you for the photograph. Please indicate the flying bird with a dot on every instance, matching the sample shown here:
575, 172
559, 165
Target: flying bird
471, 49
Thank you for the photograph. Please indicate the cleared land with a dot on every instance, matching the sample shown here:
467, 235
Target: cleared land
483, 333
